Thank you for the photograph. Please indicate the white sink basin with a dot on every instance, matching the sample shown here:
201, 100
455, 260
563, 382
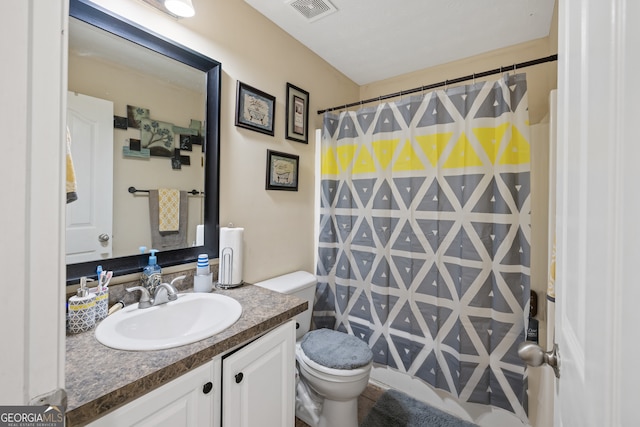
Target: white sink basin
190, 318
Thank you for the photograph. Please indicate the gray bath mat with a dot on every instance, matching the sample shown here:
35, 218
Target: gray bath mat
396, 409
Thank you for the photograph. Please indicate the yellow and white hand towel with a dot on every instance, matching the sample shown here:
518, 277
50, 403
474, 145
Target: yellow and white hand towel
168, 209
71, 185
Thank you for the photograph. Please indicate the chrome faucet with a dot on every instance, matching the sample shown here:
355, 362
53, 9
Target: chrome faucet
150, 283
170, 294
163, 293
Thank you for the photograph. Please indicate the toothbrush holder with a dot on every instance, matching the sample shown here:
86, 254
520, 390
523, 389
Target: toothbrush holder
203, 283
82, 313
102, 302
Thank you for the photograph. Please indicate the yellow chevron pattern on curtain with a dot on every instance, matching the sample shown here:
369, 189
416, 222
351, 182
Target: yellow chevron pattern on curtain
423, 248
462, 153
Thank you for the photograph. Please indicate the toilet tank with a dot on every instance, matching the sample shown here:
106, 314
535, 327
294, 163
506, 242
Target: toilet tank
301, 284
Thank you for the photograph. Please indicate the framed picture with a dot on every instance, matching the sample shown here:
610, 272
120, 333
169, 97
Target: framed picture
255, 109
185, 142
176, 161
297, 120
135, 114
120, 122
282, 171
157, 136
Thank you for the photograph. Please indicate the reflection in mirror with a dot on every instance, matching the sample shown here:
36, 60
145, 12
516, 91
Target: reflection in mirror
154, 142
143, 112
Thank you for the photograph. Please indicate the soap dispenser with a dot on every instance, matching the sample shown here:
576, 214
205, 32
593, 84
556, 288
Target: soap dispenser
152, 273
82, 309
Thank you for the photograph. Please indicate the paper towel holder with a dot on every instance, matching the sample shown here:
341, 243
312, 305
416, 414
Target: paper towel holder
225, 273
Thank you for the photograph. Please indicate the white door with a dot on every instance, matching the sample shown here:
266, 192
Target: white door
33, 47
598, 213
89, 219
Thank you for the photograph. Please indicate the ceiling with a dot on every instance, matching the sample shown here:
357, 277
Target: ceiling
372, 40
88, 41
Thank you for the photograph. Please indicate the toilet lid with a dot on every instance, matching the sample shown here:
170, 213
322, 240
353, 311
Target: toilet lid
335, 349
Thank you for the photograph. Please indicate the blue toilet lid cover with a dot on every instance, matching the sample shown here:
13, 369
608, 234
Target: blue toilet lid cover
335, 349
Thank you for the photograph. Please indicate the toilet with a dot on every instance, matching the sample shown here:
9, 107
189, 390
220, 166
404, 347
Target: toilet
335, 365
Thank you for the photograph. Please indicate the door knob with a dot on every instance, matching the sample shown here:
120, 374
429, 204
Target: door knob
534, 355
239, 378
104, 237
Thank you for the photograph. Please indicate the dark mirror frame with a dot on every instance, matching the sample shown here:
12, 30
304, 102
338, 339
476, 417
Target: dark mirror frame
106, 20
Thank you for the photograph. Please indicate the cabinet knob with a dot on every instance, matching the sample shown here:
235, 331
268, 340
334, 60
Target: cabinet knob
239, 378
206, 389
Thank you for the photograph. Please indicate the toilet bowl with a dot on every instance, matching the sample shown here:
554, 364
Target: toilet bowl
335, 365
339, 393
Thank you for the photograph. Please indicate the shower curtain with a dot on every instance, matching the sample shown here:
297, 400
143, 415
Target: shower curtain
423, 247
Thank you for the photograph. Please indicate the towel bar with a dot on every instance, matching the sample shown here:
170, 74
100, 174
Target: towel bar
135, 190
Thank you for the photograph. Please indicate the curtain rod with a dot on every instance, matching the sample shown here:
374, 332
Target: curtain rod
447, 82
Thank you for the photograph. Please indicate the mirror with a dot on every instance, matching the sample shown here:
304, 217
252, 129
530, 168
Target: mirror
203, 209
117, 160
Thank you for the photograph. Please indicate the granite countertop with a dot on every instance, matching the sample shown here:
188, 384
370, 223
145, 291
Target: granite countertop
100, 379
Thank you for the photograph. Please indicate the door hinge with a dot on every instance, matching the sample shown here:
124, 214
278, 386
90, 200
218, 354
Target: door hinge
56, 397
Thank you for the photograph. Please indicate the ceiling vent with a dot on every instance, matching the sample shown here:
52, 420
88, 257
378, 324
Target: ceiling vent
312, 10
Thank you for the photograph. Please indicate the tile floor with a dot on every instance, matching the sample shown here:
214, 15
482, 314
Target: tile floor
365, 402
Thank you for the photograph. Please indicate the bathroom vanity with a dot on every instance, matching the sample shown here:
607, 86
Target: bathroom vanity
244, 373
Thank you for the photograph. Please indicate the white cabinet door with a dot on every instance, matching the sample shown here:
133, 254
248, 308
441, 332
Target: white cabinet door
258, 381
187, 401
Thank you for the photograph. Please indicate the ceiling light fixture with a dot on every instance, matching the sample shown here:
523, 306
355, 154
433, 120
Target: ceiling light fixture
182, 8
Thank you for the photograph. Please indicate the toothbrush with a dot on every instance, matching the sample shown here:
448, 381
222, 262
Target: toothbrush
99, 277
107, 278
